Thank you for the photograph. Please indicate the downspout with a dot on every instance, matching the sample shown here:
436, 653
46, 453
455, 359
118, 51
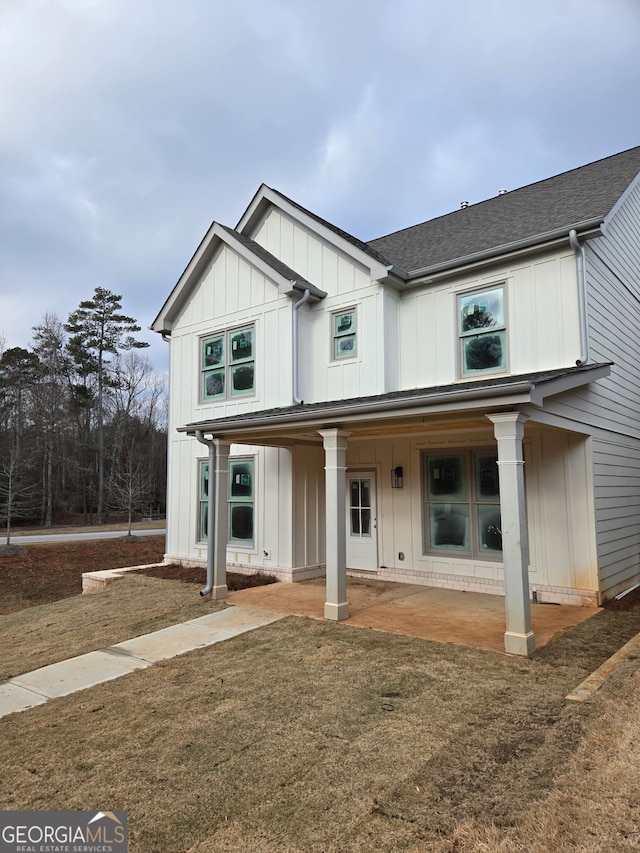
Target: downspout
582, 296
294, 320
210, 510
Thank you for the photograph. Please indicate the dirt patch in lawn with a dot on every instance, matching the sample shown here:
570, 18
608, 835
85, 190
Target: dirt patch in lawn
38, 574
197, 575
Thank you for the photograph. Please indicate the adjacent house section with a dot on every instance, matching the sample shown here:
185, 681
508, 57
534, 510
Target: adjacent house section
455, 404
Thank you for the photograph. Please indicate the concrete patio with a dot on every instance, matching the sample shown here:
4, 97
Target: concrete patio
443, 615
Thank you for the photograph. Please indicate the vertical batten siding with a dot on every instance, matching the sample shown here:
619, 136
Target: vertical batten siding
312, 258
308, 506
542, 320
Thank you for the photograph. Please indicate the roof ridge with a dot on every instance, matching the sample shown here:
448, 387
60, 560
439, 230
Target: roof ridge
512, 192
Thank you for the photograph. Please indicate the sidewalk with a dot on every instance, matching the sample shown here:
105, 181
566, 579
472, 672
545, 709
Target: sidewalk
69, 676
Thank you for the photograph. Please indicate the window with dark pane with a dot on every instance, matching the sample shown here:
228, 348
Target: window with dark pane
462, 503
482, 331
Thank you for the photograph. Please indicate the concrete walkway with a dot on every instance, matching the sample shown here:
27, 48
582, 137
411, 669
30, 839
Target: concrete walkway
69, 676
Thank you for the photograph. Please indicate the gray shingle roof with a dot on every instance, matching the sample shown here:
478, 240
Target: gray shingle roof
564, 201
408, 396
275, 263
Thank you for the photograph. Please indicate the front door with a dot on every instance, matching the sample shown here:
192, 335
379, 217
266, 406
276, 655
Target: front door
362, 540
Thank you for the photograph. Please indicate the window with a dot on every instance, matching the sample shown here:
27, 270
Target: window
462, 504
228, 364
482, 332
240, 499
344, 334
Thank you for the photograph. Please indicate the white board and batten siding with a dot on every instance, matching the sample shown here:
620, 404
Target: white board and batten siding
559, 499
541, 303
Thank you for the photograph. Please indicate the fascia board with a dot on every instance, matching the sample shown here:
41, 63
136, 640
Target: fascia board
215, 236
463, 400
551, 387
540, 242
620, 202
266, 196
164, 320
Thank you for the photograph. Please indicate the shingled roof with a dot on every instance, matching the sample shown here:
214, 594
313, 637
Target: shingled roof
565, 201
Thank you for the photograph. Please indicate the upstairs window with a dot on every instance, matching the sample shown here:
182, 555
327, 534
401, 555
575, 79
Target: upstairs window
345, 340
228, 364
482, 332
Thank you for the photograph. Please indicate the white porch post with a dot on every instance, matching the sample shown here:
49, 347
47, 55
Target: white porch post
509, 430
219, 525
335, 457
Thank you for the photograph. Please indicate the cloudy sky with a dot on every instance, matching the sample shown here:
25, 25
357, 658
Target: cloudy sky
127, 126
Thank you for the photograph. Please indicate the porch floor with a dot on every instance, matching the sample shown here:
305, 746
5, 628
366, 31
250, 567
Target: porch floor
444, 615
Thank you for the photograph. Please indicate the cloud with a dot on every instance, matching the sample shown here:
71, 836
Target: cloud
125, 128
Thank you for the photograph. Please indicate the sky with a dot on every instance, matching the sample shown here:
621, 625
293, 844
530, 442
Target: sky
128, 126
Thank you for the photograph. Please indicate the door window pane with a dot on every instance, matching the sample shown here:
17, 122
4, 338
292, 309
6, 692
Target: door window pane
355, 522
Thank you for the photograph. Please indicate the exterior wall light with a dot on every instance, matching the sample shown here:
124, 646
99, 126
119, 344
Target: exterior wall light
396, 477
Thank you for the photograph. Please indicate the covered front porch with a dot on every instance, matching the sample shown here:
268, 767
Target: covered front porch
491, 413
429, 613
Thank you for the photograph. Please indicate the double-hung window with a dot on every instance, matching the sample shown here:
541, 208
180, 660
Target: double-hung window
344, 334
240, 499
227, 364
482, 331
462, 504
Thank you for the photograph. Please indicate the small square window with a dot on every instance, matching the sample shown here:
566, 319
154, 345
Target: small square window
344, 333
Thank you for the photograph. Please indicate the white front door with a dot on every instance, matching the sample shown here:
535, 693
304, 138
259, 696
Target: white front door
362, 539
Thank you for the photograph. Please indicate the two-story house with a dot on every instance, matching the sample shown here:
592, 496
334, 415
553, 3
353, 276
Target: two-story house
455, 404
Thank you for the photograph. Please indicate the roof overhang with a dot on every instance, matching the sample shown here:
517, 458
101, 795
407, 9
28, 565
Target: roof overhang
266, 197
288, 283
530, 245
398, 410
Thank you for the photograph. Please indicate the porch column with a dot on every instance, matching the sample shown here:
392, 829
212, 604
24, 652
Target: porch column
218, 517
509, 430
335, 457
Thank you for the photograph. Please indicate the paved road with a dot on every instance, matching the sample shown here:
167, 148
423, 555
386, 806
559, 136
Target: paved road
17, 538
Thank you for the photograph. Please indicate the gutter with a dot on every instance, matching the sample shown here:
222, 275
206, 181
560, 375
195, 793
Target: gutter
312, 414
582, 296
296, 306
210, 511
507, 248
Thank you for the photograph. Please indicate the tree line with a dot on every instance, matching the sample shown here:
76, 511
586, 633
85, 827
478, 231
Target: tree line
83, 421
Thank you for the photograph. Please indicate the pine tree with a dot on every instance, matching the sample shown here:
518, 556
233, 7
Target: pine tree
97, 330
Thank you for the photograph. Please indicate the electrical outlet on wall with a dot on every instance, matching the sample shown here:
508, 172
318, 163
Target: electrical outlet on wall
267, 553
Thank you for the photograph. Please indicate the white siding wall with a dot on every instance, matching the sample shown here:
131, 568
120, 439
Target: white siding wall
611, 407
559, 499
617, 498
542, 321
